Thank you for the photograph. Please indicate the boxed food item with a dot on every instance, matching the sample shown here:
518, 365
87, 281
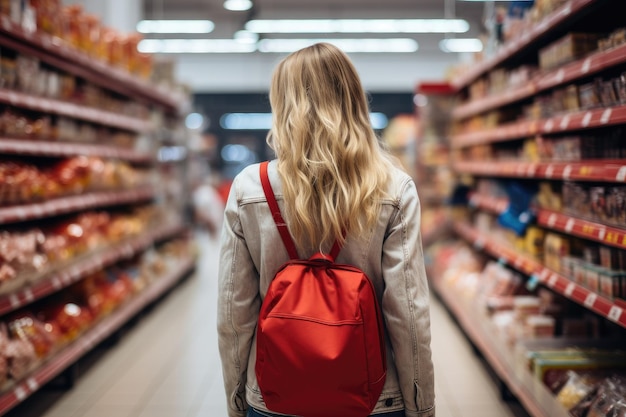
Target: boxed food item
569, 48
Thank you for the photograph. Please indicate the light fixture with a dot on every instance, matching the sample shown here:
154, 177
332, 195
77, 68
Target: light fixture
175, 26
358, 26
461, 45
263, 121
244, 36
194, 121
392, 45
194, 46
238, 5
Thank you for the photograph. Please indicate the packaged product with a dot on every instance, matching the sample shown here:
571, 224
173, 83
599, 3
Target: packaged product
589, 95
537, 326
569, 48
25, 326
20, 354
574, 390
609, 393
611, 283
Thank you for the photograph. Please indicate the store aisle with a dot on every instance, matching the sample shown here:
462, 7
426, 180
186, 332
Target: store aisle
168, 366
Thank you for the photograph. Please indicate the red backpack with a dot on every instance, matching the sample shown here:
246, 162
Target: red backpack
320, 347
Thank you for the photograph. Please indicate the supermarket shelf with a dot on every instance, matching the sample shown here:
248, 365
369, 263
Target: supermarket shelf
539, 274
75, 111
535, 398
598, 232
92, 337
62, 149
585, 67
568, 122
591, 170
486, 203
62, 205
89, 264
612, 236
559, 17
57, 53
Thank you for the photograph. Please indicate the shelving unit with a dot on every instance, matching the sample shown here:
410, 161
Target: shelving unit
156, 104
62, 108
63, 205
535, 397
570, 11
541, 275
69, 355
524, 111
570, 122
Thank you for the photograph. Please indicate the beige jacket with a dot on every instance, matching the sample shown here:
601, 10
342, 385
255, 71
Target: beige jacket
252, 252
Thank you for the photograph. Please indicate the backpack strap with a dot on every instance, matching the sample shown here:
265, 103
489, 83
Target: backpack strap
278, 218
280, 222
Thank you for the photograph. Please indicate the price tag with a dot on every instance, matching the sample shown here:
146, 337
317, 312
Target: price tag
590, 299
621, 174
532, 282
606, 116
549, 171
532, 169
586, 66
560, 76
553, 280
565, 122
56, 283
569, 226
28, 295
552, 220
602, 233
567, 171
548, 126
20, 393
569, 290
15, 302
544, 275
615, 313
586, 119
32, 384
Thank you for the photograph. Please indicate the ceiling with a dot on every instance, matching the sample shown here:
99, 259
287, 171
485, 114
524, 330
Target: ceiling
250, 72
227, 22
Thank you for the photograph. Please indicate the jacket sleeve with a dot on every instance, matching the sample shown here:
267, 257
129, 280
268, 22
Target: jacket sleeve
406, 305
238, 306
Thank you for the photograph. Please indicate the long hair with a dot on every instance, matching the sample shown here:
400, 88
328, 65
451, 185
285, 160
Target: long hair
332, 166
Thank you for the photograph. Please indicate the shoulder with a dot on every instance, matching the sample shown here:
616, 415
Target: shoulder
401, 186
247, 183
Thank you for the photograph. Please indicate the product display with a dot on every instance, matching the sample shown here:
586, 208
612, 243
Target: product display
85, 242
538, 138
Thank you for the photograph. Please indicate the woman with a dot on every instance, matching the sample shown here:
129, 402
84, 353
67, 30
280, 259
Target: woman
330, 176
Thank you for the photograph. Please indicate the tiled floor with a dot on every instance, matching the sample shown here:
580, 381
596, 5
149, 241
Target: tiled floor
167, 365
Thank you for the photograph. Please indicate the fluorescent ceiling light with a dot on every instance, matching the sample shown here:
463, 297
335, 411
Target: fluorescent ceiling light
358, 26
194, 46
378, 120
461, 45
238, 5
175, 26
263, 121
246, 121
398, 45
245, 36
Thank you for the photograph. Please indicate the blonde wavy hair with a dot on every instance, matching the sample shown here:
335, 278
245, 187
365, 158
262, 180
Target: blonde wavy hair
333, 169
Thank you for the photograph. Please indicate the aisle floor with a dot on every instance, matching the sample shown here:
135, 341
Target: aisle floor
167, 364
